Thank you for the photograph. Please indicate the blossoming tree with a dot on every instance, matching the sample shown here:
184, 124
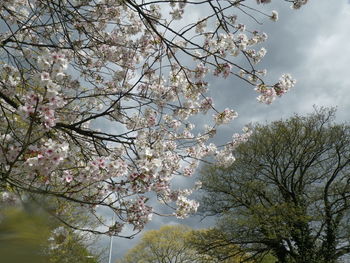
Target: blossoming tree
97, 97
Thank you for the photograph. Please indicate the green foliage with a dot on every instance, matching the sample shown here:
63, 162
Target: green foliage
163, 245
175, 244
23, 237
288, 191
220, 250
29, 234
72, 249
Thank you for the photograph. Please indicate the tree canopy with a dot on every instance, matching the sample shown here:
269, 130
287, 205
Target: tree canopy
214, 243
29, 235
97, 98
288, 191
174, 244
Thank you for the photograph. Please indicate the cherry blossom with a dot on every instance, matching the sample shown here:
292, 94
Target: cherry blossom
98, 98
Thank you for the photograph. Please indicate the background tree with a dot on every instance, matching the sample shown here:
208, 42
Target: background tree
214, 243
68, 246
30, 234
96, 97
22, 237
171, 244
288, 191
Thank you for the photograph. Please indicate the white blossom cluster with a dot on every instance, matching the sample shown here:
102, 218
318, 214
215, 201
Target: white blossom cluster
269, 94
97, 98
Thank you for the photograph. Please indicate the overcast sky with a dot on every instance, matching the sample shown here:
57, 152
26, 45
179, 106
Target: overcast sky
312, 44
